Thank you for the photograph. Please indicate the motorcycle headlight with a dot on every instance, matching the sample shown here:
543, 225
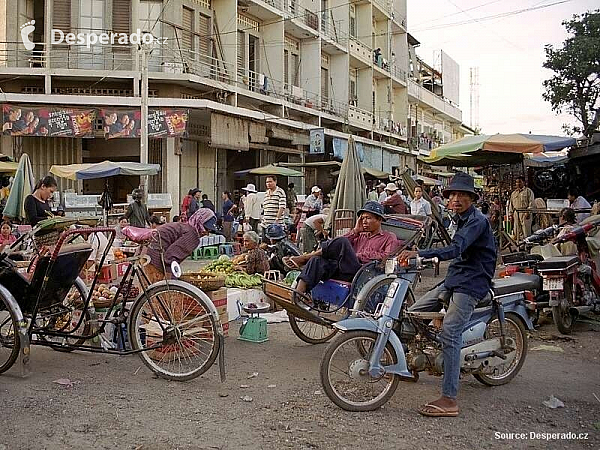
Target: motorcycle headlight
390, 266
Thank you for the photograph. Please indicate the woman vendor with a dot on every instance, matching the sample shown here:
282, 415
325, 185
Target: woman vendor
176, 241
36, 204
256, 258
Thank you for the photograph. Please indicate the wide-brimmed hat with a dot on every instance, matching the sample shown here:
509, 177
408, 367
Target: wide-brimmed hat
391, 187
462, 182
315, 189
381, 185
372, 207
249, 188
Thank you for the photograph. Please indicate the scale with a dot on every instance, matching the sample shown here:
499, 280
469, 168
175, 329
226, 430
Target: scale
254, 329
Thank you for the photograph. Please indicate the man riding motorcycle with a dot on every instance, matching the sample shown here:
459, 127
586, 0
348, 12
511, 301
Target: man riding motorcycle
468, 281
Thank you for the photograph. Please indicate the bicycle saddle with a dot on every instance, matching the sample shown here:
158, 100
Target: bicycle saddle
138, 235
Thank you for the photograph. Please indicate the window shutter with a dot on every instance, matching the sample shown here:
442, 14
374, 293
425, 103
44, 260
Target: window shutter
241, 53
205, 33
61, 15
324, 86
187, 40
121, 16
286, 67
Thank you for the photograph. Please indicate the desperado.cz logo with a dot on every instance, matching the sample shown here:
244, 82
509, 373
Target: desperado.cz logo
88, 39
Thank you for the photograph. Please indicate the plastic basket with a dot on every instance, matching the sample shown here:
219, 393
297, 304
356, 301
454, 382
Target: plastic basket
204, 280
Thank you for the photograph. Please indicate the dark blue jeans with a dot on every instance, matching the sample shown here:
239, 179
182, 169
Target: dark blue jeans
459, 312
338, 261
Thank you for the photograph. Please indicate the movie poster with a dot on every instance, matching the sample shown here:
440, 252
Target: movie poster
51, 122
121, 123
167, 122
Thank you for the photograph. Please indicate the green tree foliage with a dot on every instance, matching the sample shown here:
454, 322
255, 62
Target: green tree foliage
575, 86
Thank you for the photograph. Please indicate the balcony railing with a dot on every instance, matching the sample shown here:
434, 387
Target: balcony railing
360, 49
384, 5
360, 117
398, 73
332, 30
434, 101
399, 18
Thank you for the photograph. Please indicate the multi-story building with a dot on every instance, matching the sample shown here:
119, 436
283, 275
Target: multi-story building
255, 75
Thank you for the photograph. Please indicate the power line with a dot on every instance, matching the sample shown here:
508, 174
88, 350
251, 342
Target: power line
456, 13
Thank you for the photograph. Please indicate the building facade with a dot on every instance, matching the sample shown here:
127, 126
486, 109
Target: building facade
256, 76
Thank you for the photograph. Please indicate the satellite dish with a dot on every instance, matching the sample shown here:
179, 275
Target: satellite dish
176, 269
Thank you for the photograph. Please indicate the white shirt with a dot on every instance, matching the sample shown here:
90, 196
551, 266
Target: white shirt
252, 206
581, 203
382, 196
420, 207
312, 219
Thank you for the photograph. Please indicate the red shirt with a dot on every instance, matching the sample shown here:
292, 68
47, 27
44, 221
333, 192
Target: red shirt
396, 204
370, 246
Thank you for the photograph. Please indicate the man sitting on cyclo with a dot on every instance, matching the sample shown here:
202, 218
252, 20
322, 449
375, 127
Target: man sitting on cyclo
342, 257
468, 281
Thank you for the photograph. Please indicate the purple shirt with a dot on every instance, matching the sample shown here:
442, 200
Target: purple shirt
369, 246
177, 240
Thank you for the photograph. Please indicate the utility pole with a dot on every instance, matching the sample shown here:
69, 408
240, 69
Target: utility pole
144, 119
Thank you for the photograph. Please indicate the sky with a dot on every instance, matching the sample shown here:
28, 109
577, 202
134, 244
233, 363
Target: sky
509, 52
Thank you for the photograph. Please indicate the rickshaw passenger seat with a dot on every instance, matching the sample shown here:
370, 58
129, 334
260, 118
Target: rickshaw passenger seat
138, 235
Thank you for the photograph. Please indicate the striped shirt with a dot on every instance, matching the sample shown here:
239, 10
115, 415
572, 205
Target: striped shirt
271, 205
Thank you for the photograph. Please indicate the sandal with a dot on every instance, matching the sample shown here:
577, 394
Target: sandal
431, 410
288, 262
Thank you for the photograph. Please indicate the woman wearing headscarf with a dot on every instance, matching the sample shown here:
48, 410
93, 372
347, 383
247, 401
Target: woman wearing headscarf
176, 241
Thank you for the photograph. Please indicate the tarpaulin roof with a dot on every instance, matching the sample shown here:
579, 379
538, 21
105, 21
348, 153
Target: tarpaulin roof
103, 170
271, 169
512, 146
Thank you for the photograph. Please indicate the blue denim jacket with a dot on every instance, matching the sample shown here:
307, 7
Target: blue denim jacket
474, 252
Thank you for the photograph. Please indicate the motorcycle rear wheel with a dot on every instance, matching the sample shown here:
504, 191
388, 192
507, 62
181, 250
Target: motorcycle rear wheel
513, 328
344, 372
560, 314
10, 342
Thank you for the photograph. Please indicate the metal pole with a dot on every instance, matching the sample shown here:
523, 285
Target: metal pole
144, 120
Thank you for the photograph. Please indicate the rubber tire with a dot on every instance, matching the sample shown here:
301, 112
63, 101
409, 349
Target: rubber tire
133, 340
86, 327
17, 339
323, 372
298, 332
565, 327
514, 318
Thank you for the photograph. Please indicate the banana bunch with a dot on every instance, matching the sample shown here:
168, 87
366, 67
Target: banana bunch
219, 266
242, 280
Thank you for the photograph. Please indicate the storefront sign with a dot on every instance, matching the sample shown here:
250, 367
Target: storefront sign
167, 122
52, 122
317, 141
120, 124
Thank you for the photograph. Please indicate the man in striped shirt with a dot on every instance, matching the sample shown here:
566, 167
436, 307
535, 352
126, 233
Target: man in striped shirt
273, 204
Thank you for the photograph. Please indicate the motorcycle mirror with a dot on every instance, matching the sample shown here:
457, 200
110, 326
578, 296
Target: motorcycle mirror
176, 269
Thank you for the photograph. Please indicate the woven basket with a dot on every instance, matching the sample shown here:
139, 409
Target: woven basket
204, 280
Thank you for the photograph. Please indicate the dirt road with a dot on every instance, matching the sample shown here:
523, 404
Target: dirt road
116, 402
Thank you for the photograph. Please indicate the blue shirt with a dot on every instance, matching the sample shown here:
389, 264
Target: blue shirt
227, 205
474, 252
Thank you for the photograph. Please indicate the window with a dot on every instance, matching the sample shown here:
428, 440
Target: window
149, 16
324, 87
187, 36
352, 21
91, 20
61, 15
121, 21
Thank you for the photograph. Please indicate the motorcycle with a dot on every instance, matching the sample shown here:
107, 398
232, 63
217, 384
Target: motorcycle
573, 282
362, 367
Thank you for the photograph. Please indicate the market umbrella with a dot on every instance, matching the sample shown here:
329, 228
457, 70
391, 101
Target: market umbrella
273, 169
8, 167
23, 185
103, 170
350, 190
427, 180
494, 149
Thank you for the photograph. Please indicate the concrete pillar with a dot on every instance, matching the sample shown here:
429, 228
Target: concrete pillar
171, 173
310, 69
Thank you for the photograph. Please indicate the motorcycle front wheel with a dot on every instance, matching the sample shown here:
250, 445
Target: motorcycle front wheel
345, 372
513, 329
561, 314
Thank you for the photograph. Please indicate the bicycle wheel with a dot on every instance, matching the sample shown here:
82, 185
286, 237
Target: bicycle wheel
175, 331
311, 332
9, 337
67, 320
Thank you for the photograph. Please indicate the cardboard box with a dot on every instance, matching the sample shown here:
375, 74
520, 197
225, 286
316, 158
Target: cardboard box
235, 296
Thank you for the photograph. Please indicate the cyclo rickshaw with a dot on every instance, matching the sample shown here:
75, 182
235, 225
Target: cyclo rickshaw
312, 319
172, 325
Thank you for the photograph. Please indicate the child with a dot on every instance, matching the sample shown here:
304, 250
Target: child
6, 236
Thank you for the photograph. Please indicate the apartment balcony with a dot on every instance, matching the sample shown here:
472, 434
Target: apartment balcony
334, 39
419, 93
383, 6
381, 68
360, 118
302, 22
265, 9
398, 75
399, 20
361, 53
387, 125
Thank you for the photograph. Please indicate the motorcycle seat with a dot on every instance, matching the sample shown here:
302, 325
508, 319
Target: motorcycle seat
516, 283
138, 235
558, 262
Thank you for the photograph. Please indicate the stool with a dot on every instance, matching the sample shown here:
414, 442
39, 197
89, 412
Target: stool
197, 254
273, 275
210, 252
226, 249
237, 248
